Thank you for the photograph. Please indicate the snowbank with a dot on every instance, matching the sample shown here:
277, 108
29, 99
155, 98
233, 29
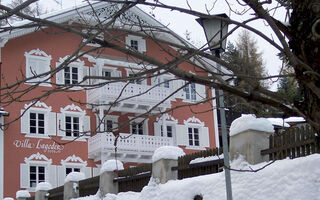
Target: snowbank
22, 194
206, 159
74, 176
43, 186
250, 122
286, 179
167, 152
111, 165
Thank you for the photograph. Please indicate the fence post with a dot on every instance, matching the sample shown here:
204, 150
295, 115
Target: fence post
107, 177
22, 195
42, 191
71, 185
163, 159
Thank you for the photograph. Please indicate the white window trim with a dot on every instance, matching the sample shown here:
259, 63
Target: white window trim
73, 162
38, 107
134, 71
37, 160
185, 95
194, 122
114, 119
79, 64
38, 54
73, 111
139, 120
169, 121
162, 78
141, 43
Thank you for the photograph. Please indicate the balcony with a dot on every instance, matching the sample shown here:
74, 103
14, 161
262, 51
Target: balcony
130, 148
134, 97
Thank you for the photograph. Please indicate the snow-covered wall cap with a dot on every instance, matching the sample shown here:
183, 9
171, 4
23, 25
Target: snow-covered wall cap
250, 122
167, 152
279, 122
22, 194
111, 165
8, 198
44, 186
74, 176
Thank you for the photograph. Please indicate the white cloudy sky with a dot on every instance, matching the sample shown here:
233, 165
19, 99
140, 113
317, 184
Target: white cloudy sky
180, 23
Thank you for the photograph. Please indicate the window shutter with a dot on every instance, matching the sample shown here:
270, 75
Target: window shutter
96, 171
182, 135
86, 171
92, 71
51, 128
31, 68
85, 72
52, 175
60, 76
86, 125
142, 45
24, 122
61, 125
115, 73
24, 176
61, 174
157, 129
177, 84
204, 137
201, 92
128, 41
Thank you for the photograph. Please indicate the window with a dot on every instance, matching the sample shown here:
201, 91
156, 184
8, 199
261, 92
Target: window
190, 91
108, 125
136, 80
137, 128
37, 175
169, 131
136, 42
38, 120
37, 63
72, 126
193, 134
71, 75
72, 169
73, 123
106, 73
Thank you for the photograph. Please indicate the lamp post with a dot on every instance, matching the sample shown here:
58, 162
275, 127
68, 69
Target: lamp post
215, 30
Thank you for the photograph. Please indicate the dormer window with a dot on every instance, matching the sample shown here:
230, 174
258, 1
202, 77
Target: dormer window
136, 43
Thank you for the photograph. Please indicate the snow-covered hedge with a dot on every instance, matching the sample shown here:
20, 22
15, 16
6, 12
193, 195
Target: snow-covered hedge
111, 165
250, 122
167, 152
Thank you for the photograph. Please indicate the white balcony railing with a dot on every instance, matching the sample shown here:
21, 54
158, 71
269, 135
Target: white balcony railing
130, 93
126, 144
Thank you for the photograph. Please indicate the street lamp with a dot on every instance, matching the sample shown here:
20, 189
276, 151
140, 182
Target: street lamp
215, 30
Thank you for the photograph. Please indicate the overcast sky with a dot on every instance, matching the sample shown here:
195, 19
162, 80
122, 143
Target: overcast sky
182, 23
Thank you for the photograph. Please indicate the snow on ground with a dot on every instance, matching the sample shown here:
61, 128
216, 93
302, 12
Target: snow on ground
74, 176
111, 165
206, 159
250, 122
167, 152
45, 186
287, 179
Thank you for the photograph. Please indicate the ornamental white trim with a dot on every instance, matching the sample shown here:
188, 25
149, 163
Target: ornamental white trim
37, 52
37, 158
193, 120
77, 61
38, 104
166, 117
74, 160
72, 108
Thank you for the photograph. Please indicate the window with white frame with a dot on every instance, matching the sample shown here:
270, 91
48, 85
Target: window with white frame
109, 122
37, 120
166, 126
139, 126
136, 43
193, 135
169, 131
71, 74
36, 169
73, 123
72, 164
38, 63
190, 91
136, 80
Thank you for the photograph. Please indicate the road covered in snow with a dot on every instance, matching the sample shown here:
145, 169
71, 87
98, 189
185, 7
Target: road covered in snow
295, 179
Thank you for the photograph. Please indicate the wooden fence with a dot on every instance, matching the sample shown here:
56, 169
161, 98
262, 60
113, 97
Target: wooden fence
293, 143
